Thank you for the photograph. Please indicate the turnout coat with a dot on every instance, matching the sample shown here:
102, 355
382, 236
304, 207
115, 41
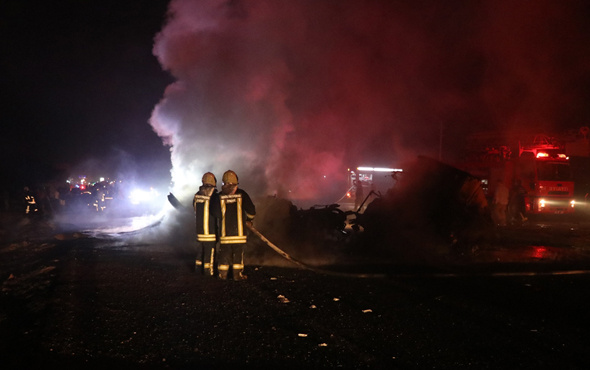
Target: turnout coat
207, 212
236, 209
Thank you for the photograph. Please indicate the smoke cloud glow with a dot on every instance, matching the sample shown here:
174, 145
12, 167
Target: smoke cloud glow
289, 94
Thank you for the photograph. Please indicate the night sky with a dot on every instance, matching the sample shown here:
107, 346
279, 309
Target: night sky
79, 82
284, 92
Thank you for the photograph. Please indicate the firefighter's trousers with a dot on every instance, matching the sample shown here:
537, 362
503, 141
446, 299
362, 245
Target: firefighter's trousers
205, 261
231, 256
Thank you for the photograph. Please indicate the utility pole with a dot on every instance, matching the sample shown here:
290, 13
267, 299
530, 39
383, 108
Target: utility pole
440, 142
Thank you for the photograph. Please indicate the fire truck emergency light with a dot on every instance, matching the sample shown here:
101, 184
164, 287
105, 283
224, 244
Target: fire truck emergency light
379, 169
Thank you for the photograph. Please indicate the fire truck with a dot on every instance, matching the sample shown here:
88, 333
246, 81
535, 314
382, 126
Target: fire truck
539, 165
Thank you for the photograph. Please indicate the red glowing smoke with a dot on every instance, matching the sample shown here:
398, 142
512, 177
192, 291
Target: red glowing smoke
289, 94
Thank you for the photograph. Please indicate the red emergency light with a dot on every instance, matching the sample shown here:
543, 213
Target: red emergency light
542, 155
539, 252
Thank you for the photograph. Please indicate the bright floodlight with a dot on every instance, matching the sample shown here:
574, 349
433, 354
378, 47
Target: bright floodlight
138, 196
379, 169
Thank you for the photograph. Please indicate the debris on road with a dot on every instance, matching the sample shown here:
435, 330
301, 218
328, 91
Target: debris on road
283, 299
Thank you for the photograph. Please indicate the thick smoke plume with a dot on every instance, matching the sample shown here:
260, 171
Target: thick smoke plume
289, 94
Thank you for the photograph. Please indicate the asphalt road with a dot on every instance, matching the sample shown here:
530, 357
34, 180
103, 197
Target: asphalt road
109, 301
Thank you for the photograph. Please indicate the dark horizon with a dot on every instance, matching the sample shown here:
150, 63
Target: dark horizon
79, 82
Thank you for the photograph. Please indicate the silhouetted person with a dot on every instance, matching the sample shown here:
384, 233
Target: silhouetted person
500, 202
359, 195
517, 203
31, 206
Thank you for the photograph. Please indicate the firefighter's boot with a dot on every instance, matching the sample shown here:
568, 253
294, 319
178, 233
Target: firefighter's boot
238, 272
198, 266
223, 271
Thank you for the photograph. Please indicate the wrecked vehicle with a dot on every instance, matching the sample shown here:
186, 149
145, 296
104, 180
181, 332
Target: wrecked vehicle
279, 219
321, 222
432, 201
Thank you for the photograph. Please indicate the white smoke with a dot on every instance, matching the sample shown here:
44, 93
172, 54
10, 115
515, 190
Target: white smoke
289, 94
260, 87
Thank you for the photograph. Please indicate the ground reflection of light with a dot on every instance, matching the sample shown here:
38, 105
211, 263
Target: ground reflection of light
128, 225
539, 252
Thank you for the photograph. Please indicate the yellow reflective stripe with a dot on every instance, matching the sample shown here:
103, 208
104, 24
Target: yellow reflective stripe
223, 267
222, 216
240, 222
198, 263
233, 198
207, 265
206, 217
206, 237
205, 200
233, 239
238, 266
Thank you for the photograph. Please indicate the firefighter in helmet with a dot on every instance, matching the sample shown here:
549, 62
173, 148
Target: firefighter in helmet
207, 212
237, 209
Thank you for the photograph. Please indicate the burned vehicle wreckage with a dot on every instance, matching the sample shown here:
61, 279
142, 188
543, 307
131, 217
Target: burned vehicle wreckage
432, 208
432, 202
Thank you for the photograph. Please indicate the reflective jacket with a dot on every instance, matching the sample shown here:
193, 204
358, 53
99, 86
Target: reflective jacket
207, 212
236, 209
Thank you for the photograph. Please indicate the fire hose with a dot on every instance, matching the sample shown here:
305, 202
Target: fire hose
434, 275
307, 267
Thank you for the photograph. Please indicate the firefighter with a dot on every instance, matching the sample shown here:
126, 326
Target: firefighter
237, 210
207, 212
31, 206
